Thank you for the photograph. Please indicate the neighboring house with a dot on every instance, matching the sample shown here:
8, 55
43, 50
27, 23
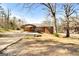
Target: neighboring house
37, 28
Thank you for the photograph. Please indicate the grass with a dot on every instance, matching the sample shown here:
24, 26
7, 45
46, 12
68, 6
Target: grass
6, 30
2, 30
43, 40
65, 40
56, 34
29, 37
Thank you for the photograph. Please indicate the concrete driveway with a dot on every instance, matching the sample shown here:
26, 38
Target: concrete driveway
8, 38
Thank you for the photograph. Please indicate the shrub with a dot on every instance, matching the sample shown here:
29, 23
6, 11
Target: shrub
56, 34
29, 37
2, 30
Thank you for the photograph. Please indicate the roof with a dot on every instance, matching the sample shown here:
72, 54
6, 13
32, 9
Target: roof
43, 25
36, 25
28, 25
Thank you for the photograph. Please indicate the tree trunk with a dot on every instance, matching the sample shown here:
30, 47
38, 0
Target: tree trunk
67, 34
55, 25
67, 30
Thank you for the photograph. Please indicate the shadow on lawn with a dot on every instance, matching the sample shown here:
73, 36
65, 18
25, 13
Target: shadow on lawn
43, 48
58, 49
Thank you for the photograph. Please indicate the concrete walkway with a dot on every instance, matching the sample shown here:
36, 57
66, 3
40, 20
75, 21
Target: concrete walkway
4, 42
8, 39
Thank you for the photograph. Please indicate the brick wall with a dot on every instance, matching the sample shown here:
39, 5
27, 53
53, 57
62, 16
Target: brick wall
32, 28
44, 29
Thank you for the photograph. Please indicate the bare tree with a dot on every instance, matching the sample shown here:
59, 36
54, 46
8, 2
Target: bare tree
69, 9
7, 18
52, 10
51, 7
1, 15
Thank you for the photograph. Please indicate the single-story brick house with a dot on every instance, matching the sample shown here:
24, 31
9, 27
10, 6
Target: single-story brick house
29, 27
35, 28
